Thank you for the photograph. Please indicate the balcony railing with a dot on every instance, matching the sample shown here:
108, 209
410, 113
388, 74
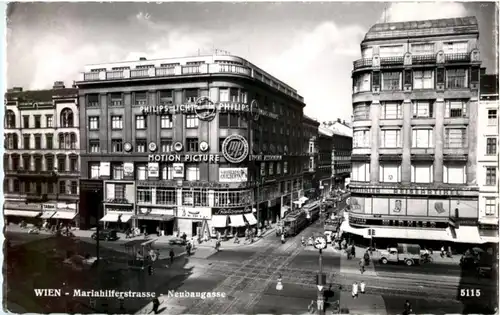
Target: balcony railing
423, 59
392, 60
457, 57
91, 76
139, 73
113, 75
362, 63
163, 72
234, 69
191, 69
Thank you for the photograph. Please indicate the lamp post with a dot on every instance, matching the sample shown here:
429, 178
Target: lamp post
320, 244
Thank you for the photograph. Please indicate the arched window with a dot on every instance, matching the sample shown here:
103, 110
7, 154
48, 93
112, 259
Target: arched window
61, 141
66, 118
73, 141
10, 119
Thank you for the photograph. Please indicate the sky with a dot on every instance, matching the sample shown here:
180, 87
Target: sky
309, 46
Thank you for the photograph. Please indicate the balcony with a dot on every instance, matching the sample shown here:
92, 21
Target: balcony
362, 63
114, 75
91, 76
139, 73
165, 72
391, 61
191, 69
33, 174
464, 57
423, 59
234, 69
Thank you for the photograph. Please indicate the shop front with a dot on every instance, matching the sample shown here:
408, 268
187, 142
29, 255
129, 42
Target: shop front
118, 217
60, 212
16, 212
154, 219
229, 221
194, 221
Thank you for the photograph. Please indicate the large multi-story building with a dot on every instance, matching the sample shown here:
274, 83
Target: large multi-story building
311, 184
341, 153
157, 162
487, 157
41, 161
415, 103
324, 169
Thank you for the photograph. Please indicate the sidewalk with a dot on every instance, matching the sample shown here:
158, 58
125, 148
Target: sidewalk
230, 243
363, 304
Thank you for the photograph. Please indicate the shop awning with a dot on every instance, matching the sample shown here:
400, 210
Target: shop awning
237, 220
154, 217
303, 199
468, 234
47, 214
219, 221
65, 215
110, 217
250, 218
21, 213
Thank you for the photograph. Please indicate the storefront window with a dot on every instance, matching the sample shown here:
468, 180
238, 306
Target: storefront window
232, 198
201, 198
144, 195
165, 196
187, 198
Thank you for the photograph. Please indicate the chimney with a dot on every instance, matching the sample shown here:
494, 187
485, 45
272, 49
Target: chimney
142, 59
17, 89
74, 85
343, 122
58, 85
338, 120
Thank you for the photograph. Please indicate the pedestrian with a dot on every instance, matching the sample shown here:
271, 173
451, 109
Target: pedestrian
407, 308
172, 254
353, 251
442, 251
188, 249
354, 290
362, 265
158, 231
310, 308
156, 305
362, 287
282, 238
121, 301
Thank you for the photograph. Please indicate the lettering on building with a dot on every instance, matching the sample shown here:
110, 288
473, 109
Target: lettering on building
185, 158
407, 191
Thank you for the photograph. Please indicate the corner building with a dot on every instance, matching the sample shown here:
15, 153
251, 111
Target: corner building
415, 104
120, 131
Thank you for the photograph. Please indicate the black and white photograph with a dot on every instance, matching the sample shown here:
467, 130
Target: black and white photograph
251, 157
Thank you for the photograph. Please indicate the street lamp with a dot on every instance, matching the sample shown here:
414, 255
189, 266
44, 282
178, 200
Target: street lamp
320, 244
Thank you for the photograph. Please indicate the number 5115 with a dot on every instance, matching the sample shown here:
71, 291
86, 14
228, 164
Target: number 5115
470, 292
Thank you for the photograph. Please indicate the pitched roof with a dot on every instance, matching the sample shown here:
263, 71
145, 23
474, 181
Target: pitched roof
41, 95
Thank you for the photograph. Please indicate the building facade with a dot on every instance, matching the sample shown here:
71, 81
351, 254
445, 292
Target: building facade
311, 183
487, 157
415, 104
324, 169
165, 166
341, 153
41, 160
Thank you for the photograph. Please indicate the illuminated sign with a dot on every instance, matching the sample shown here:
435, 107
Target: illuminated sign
261, 157
235, 149
232, 211
184, 158
178, 170
233, 175
410, 191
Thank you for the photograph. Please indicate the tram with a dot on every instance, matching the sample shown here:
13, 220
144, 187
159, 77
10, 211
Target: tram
313, 209
295, 222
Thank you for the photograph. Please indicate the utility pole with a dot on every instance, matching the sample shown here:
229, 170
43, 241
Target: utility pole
98, 229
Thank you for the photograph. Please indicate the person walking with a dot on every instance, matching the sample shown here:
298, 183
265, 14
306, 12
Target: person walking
362, 287
407, 308
354, 290
156, 305
282, 238
172, 255
310, 308
362, 265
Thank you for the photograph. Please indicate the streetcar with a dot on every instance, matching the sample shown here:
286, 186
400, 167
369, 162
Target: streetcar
312, 209
294, 222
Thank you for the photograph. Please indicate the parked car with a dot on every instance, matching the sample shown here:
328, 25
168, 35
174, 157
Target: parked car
177, 241
107, 235
407, 253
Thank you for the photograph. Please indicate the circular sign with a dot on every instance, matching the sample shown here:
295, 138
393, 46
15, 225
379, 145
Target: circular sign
254, 109
152, 147
127, 147
178, 146
145, 210
203, 146
235, 149
205, 109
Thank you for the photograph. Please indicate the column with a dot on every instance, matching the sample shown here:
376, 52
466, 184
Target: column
406, 133
471, 168
439, 112
153, 195
178, 193
375, 139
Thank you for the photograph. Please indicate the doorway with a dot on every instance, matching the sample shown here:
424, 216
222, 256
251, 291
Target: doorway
196, 228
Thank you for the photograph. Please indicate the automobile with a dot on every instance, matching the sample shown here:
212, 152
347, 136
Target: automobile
107, 235
177, 241
407, 253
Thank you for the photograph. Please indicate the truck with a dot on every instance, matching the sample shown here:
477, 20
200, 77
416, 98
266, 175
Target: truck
409, 254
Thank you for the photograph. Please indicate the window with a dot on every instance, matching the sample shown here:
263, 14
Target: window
73, 164
285, 167
231, 120
38, 163
391, 138
390, 173
120, 191
26, 121
165, 145
455, 47
271, 168
140, 122
367, 53
38, 142
192, 121
454, 174
490, 206
491, 175
166, 97
192, 173
223, 95
391, 81
117, 171
361, 111
95, 171
278, 168
94, 146
26, 142
456, 78
362, 83
26, 162
167, 172
491, 146
94, 123
391, 51
423, 79
116, 145
192, 144
141, 172
116, 122
140, 145
191, 95
422, 138
61, 163
391, 110
116, 99
74, 187
141, 98
423, 109
62, 187
67, 118
166, 121
422, 173
144, 195
492, 117
361, 139
455, 138
422, 49
38, 123
49, 141
10, 119
311, 162
361, 172
456, 109
92, 100
49, 162
165, 196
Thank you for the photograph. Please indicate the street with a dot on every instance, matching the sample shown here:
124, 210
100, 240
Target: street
248, 275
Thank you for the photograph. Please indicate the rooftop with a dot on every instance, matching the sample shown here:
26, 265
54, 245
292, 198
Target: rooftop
453, 26
39, 95
489, 84
311, 120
